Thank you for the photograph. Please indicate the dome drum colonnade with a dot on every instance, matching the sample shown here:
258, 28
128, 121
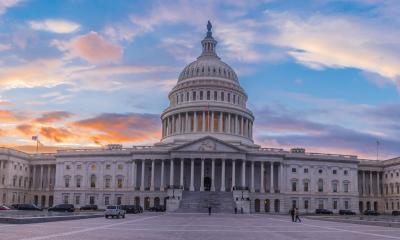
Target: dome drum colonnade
208, 100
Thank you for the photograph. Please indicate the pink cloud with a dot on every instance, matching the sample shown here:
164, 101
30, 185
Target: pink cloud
92, 47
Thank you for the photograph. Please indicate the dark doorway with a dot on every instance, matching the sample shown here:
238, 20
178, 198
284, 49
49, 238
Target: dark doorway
165, 202
156, 201
368, 206
277, 205
36, 200
266, 205
361, 206
43, 202
146, 203
207, 184
137, 201
257, 205
376, 206
50, 201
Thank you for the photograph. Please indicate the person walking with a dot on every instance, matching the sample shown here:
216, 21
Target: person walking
291, 212
296, 213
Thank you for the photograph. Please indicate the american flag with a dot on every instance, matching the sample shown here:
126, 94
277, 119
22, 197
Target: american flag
34, 138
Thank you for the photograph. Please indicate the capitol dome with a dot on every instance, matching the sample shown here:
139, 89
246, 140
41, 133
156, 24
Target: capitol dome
207, 101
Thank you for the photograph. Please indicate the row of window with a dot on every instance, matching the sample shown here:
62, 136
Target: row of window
321, 205
107, 181
93, 167
320, 171
320, 186
208, 95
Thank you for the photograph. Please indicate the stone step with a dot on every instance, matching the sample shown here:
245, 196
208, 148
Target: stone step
199, 202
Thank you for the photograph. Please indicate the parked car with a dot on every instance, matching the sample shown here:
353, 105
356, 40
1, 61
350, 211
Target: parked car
2, 207
371, 213
157, 209
14, 206
395, 213
323, 211
89, 207
132, 209
114, 211
346, 212
31, 207
62, 208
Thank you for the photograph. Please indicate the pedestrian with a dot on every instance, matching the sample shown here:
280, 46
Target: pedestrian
296, 213
291, 212
235, 210
209, 209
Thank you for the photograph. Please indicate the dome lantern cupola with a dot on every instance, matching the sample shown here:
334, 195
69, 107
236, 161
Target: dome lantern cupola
209, 43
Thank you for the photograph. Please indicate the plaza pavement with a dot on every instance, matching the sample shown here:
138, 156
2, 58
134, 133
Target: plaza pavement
156, 226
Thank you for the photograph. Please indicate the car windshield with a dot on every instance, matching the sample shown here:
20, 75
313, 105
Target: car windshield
111, 207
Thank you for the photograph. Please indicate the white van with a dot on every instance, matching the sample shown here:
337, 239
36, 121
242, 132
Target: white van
114, 211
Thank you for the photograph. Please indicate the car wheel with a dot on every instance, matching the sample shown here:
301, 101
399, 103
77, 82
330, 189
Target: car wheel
123, 216
106, 216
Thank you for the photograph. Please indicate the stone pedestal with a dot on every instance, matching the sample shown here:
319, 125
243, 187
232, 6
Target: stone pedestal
174, 199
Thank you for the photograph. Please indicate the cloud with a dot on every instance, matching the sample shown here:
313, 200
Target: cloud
54, 25
119, 128
4, 47
51, 117
320, 41
26, 129
57, 134
91, 47
5, 4
8, 116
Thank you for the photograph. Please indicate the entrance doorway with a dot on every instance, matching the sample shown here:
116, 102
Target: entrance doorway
361, 206
257, 205
146, 203
156, 201
376, 206
266, 205
207, 184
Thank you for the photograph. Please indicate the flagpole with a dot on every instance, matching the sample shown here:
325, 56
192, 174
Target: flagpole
37, 145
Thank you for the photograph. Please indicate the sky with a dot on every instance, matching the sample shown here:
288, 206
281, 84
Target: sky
322, 75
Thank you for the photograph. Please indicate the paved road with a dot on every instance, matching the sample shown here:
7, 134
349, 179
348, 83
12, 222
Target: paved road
195, 226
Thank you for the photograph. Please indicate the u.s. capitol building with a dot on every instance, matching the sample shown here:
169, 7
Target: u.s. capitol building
206, 157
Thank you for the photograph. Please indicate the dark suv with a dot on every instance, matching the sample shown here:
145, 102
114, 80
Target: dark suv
31, 207
62, 208
323, 211
132, 209
371, 213
89, 207
346, 212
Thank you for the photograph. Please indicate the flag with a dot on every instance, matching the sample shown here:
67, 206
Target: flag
34, 138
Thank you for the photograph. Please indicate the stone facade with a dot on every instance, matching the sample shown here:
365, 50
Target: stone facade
206, 146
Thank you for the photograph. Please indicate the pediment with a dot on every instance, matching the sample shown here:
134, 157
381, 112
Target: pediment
207, 144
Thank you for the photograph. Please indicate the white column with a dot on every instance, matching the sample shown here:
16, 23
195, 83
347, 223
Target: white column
203, 127
378, 184
179, 123
171, 173
252, 177
242, 126
262, 189
134, 174
271, 189
186, 122
229, 123
202, 176
233, 174
281, 184
41, 177
195, 127
142, 177
237, 125
212, 122
244, 173
223, 176
152, 175
191, 175
34, 177
48, 177
370, 183
162, 176
213, 175
220, 122
363, 183
181, 177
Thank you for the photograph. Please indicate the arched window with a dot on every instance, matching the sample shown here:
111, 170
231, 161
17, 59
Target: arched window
78, 181
294, 186
93, 181
93, 167
345, 186
120, 181
107, 182
66, 181
334, 186
14, 181
320, 185
306, 185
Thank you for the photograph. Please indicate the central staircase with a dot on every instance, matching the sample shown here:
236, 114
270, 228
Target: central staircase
220, 202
